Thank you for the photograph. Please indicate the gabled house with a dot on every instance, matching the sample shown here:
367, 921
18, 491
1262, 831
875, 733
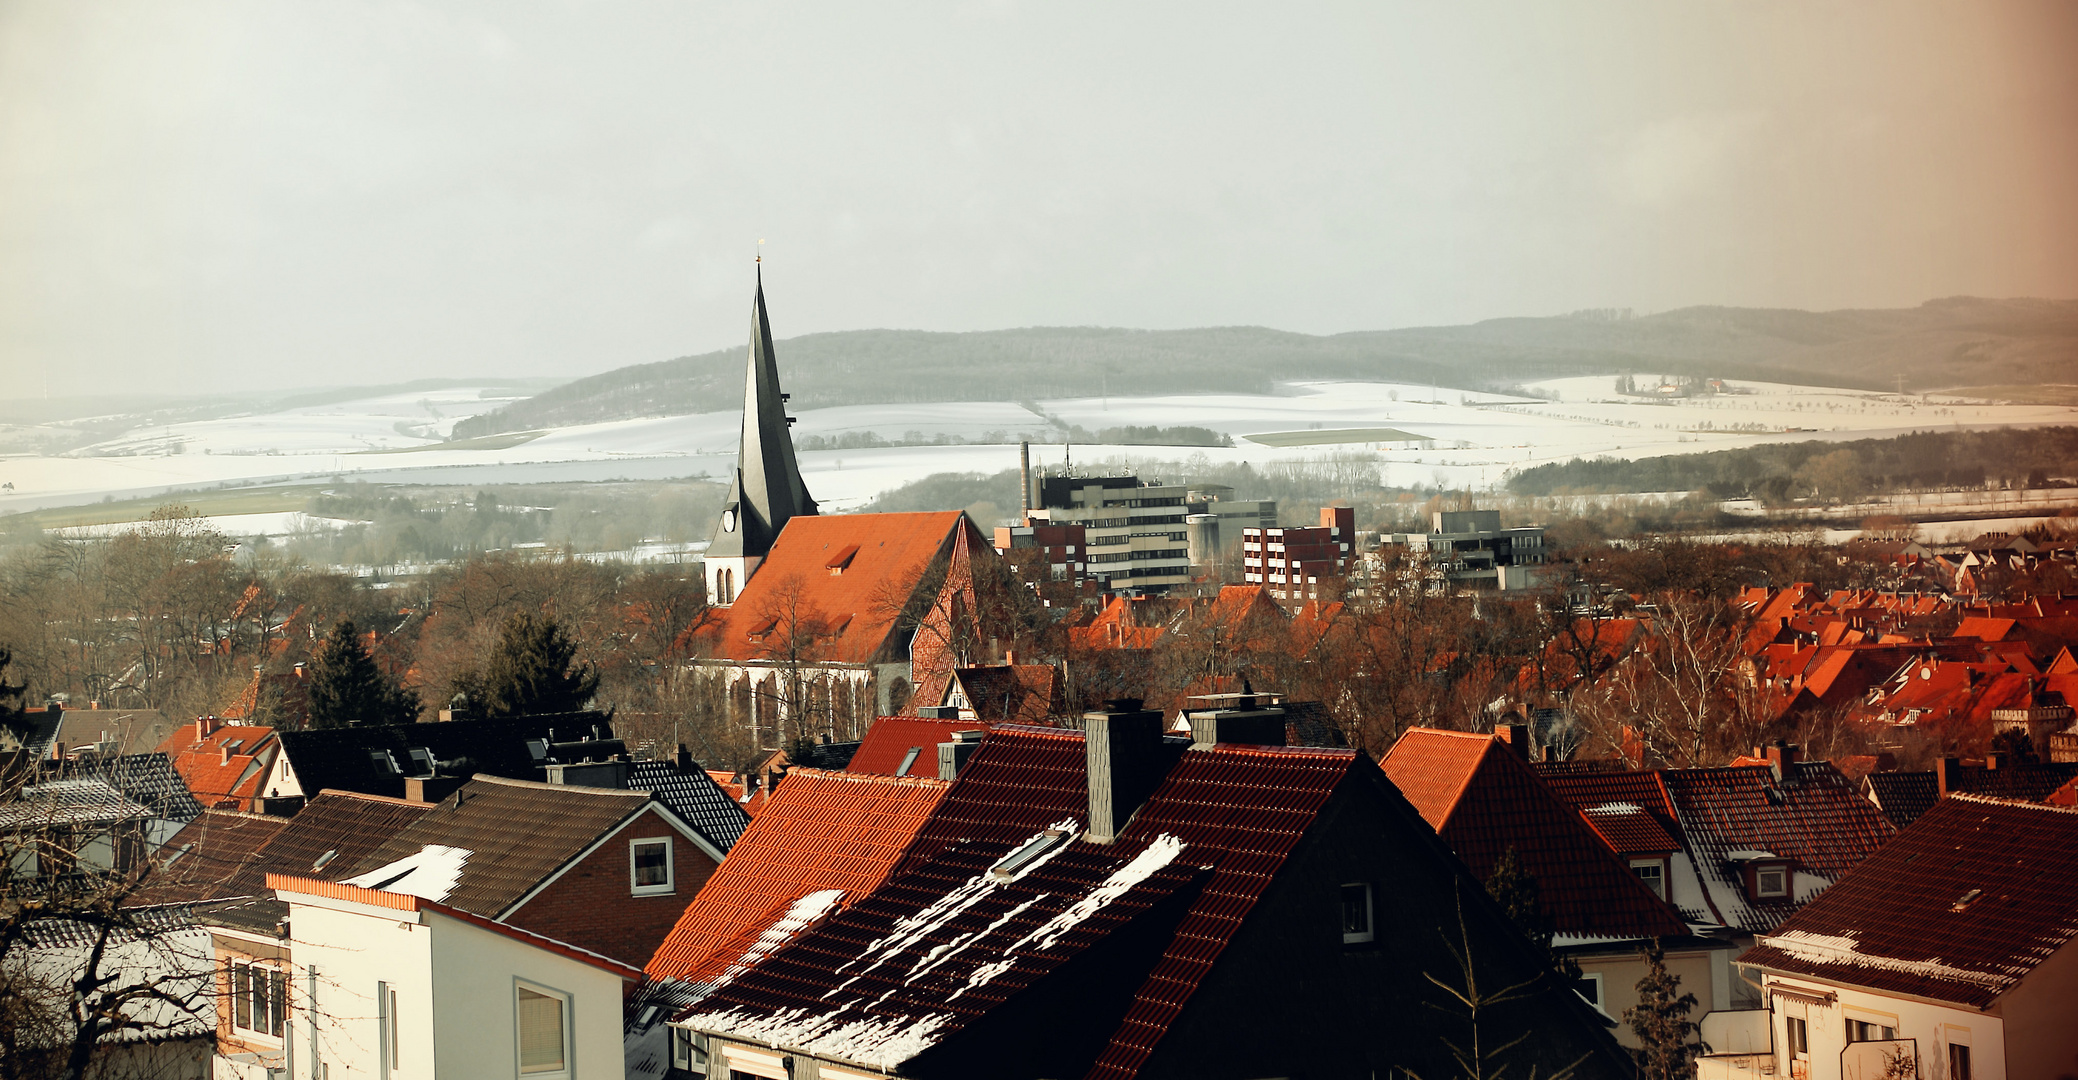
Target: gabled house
1004, 694
224, 765
1480, 795
378, 983
1114, 903
603, 869
1949, 952
56, 731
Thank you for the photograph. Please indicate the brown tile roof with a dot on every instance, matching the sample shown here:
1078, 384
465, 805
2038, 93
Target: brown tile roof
226, 767
196, 862
1960, 907
1814, 817
346, 824
1482, 800
1012, 694
855, 610
516, 833
819, 831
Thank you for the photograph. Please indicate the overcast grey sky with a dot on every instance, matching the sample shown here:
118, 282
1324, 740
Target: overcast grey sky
205, 196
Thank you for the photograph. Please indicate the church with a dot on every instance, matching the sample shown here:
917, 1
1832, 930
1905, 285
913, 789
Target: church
819, 622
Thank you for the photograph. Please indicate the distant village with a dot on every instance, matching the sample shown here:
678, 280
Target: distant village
1146, 784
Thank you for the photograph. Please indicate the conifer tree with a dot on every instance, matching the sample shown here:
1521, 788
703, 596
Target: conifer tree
348, 690
532, 670
1515, 889
1667, 1046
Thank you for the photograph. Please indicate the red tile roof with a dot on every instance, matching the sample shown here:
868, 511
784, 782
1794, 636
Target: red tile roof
1482, 800
855, 610
1960, 907
820, 830
219, 780
891, 738
1236, 812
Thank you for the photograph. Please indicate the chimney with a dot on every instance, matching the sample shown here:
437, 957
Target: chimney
431, 789
1995, 759
952, 756
1947, 774
684, 758
1123, 746
600, 774
1781, 756
225, 751
1248, 725
1009, 657
1517, 736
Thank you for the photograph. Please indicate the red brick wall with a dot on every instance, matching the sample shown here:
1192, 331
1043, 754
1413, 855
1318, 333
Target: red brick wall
590, 906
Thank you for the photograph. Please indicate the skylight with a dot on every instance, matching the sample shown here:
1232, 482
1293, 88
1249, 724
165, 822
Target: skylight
909, 759
1010, 865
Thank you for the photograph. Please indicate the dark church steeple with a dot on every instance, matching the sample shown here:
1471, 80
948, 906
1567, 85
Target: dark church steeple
768, 490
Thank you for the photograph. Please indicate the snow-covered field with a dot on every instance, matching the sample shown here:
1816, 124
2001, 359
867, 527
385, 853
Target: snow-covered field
1459, 438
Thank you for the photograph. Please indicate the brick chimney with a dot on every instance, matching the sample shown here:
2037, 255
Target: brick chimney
1947, 773
684, 758
1995, 759
1123, 746
1781, 757
1517, 736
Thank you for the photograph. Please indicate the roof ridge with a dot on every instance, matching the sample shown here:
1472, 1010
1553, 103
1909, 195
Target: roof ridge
542, 785
364, 796
1993, 800
867, 778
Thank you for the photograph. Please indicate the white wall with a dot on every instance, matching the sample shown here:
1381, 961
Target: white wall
456, 1003
1931, 1026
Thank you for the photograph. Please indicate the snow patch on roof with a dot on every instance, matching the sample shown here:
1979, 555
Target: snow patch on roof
1617, 808
1837, 949
879, 1042
798, 915
914, 928
430, 873
1158, 854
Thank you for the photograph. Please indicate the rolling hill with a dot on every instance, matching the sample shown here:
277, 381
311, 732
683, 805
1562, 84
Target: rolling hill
1957, 342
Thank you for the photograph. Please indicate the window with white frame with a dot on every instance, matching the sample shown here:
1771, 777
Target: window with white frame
386, 1028
1589, 987
259, 999
1771, 880
1356, 913
649, 866
686, 1052
1653, 872
544, 1032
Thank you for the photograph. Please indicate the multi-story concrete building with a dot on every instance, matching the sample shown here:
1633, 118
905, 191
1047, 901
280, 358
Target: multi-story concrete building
1468, 549
1293, 562
1134, 537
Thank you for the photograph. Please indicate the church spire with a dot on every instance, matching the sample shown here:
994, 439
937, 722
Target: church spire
768, 489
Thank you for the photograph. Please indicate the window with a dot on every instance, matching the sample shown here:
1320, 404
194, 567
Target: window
1799, 1037
1771, 881
1869, 1031
686, 1052
1958, 1062
259, 999
1589, 987
649, 866
1356, 914
386, 1028
544, 1028
1653, 873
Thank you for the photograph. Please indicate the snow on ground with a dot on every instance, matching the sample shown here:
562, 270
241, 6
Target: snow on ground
1460, 438
288, 523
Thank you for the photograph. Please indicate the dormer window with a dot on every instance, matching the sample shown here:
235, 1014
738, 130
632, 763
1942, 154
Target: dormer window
1771, 881
1653, 873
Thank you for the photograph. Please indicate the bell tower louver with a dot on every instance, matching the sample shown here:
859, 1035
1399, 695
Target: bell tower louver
767, 490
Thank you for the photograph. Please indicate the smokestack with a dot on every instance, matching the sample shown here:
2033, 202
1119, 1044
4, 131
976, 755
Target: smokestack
1123, 745
1024, 475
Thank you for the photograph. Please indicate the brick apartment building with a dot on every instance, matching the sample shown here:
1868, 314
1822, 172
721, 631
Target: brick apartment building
1293, 562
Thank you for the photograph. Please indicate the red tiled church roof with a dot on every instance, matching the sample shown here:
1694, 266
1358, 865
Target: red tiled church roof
855, 605
820, 830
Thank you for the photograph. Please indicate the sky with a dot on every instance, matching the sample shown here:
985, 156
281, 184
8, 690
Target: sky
206, 197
